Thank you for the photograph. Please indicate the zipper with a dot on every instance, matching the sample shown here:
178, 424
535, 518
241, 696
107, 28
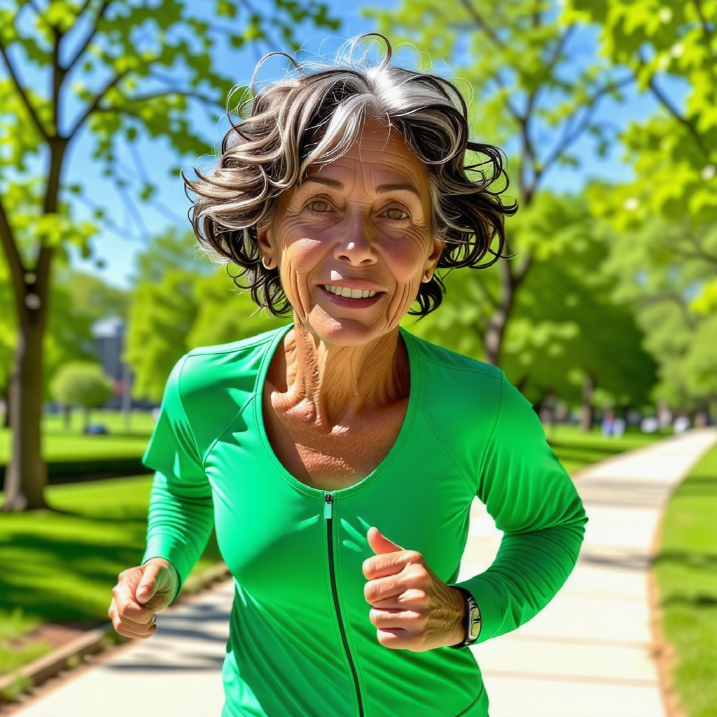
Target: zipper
328, 516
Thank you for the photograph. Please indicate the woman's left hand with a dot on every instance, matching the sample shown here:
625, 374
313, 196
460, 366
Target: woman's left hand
412, 608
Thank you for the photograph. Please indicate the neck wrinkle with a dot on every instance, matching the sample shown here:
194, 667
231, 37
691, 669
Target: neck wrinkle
332, 384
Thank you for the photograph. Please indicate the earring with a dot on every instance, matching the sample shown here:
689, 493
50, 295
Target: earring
263, 261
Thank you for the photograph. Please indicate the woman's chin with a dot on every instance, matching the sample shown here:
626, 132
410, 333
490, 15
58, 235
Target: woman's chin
344, 331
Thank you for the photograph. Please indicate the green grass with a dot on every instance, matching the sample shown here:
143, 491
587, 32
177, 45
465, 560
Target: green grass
577, 450
59, 444
62, 567
686, 572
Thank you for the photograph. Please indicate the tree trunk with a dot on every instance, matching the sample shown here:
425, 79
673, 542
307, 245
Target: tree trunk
586, 409
26, 474
67, 410
6, 417
87, 418
495, 333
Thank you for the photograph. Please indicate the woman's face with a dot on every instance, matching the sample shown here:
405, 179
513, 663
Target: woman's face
361, 224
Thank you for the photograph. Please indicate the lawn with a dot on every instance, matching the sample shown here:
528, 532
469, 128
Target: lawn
59, 444
577, 450
686, 572
61, 568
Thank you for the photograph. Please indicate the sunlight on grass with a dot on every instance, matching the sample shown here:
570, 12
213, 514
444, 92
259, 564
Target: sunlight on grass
59, 444
577, 450
686, 571
62, 567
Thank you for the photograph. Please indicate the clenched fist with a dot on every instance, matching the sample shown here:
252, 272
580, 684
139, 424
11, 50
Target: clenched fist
139, 594
411, 607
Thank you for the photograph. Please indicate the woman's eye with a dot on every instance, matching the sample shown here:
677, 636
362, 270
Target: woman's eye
319, 206
395, 213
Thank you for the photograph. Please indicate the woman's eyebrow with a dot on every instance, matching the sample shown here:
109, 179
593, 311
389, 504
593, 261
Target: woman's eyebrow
382, 188
324, 180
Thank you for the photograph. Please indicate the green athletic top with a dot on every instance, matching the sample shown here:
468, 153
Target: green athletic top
301, 643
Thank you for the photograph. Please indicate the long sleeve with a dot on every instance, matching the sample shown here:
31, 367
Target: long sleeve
534, 502
181, 512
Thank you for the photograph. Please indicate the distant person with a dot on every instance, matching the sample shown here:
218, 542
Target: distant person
338, 456
618, 428
608, 423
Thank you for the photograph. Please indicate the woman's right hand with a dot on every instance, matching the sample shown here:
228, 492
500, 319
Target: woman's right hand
139, 594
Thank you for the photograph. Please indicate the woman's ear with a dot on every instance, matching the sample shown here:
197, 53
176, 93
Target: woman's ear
263, 236
438, 242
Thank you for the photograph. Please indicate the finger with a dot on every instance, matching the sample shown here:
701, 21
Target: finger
125, 631
138, 626
154, 578
140, 614
406, 620
411, 599
388, 588
147, 586
394, 638
385, 564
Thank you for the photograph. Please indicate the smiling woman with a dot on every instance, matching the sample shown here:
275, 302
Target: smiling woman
314, 116
339, 456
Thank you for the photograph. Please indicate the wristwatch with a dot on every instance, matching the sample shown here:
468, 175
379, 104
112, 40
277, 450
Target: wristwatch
471, 620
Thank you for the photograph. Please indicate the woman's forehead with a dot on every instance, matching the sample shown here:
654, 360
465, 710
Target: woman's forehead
380, 157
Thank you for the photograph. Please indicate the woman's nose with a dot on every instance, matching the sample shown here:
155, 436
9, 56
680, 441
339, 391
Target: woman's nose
356, 246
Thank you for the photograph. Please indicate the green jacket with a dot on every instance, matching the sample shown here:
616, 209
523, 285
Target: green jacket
301, 643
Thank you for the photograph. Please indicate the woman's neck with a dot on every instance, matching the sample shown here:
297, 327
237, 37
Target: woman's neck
326, 384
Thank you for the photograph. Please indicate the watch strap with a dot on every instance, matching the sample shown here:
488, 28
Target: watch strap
470, 602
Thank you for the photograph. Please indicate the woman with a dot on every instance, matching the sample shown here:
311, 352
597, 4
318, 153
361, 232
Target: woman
338, 457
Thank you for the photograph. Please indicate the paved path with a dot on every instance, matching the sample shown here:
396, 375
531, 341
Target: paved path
586, 655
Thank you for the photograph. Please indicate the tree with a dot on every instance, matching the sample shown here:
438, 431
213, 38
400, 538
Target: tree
665, 46
658, 269
571, 339
117, 71
82, 383
181, 300
527, 90
567, 337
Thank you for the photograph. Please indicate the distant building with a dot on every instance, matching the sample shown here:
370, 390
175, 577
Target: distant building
109, 335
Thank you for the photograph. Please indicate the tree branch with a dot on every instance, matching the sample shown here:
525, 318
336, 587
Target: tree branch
569, 137
23, 95
14, 260
673, 298
699, 253
667, 104
183, 93
706, 30
92, 33
478, 19
489, 298
480, 330
95, 101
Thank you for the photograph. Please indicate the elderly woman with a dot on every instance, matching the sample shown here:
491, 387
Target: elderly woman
338, 456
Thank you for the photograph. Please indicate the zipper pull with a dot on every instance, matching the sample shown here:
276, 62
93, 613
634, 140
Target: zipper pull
329, 500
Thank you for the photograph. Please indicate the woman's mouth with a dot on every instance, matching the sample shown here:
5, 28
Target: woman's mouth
352, 298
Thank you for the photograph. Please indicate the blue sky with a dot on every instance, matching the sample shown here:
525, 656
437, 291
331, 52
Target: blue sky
117, 248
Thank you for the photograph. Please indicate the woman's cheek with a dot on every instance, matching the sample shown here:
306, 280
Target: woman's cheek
299, 259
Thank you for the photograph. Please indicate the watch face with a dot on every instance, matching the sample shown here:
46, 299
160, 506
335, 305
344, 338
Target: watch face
475, 623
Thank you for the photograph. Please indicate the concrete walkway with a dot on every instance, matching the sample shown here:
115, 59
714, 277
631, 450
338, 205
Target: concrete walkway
588, 654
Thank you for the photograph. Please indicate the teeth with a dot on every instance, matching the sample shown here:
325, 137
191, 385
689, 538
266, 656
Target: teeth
350, 293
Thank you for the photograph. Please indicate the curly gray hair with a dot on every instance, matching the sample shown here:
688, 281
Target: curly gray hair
313, 116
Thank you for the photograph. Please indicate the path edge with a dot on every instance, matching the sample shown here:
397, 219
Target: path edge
663, 651
19, 682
